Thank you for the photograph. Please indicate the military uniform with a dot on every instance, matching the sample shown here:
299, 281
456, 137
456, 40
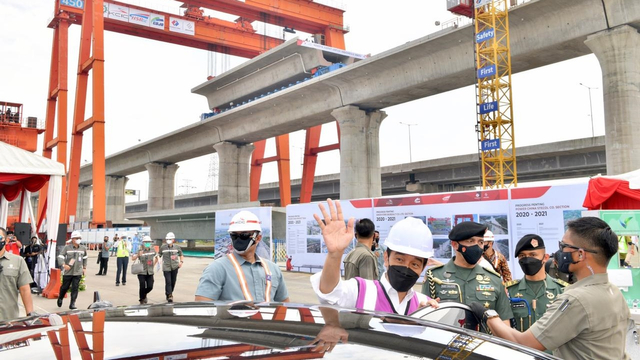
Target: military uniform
361, 262
476, 284
532, 302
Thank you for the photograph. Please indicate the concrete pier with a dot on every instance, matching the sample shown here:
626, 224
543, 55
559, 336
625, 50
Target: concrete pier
83, 211
115, 186
162, 179
233, 178
359, 152
618, 51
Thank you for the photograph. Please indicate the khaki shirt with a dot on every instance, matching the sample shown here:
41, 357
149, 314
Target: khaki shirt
479, 284
76, 257
14, 275
520, 289
146, 257
588, 321
361, 262
170, 257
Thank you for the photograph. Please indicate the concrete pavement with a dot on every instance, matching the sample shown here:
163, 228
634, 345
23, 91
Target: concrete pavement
297, 283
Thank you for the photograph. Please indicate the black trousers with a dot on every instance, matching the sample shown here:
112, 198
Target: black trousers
146, 285
104, 264
170, 278
72, 281
123, 263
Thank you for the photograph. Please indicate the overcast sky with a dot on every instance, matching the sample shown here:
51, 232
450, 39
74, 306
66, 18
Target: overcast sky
148, 89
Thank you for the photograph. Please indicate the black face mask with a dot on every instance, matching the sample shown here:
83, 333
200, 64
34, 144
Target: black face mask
402, 278
471, 254
530, 265
564, 260
2, 244
242, 241
486, 247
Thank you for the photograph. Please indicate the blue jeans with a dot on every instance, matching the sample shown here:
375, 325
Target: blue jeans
123, 263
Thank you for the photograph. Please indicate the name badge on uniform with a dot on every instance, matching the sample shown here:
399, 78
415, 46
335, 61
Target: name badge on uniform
485, 288
517, 305
449, 286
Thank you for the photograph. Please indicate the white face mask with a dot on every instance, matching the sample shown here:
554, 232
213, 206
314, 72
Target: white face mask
77, 241
169, 242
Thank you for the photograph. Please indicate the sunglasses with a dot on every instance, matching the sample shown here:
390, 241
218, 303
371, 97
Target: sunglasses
562, 245
242, 236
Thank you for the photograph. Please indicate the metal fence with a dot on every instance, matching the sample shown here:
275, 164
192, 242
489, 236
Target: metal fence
279, 248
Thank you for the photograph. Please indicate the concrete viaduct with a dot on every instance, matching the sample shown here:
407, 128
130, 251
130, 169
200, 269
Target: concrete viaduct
542, 32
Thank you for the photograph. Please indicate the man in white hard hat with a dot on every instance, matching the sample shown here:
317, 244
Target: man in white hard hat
172, 260
73, 259
495, 258
409, 247
242, 274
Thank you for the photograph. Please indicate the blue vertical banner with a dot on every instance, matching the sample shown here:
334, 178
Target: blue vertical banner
485, 35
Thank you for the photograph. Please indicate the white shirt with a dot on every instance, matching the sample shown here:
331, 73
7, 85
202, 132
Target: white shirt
345, 294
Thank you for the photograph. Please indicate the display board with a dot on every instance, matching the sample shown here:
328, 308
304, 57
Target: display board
96, 236
304, 237
223, 244
509, 214
544, 211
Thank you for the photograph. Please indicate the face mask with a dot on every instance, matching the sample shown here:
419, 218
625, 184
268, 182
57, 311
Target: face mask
486, 247
564, 260
147, 245
2, 243
402, 278
243, 241
530, 265
471, 254
169, 242
373, 247
77, 241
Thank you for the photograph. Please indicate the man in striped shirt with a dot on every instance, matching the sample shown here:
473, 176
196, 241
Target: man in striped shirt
243, 275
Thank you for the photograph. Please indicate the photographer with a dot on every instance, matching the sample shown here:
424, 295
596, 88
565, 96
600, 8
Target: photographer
13, 244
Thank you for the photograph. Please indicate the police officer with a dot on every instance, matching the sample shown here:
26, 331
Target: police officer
462, 279
532, 295
147, 255
73, 259
589, 320
172, 260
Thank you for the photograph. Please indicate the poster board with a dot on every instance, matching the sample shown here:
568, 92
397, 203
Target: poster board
222, 241
304, 237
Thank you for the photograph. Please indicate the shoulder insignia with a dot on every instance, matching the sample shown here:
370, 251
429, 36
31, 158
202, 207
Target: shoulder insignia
511, 283
560, 282
491, 271
435, 267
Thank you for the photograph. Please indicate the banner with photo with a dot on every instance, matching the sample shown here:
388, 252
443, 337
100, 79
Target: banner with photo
304, 237
223, 245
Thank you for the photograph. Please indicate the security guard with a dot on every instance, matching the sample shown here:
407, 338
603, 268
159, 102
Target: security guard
532, 295
462, 279
73, 259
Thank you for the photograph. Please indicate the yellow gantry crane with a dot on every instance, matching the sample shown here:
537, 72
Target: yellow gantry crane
496, 141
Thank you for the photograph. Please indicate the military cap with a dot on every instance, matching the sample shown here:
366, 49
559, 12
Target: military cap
466, 230
529, 242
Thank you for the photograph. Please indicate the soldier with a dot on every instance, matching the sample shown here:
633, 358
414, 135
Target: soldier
73, 259
463, 279
531, 296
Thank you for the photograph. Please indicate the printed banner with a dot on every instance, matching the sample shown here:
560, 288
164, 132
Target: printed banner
181, 26
118, 12
223, 245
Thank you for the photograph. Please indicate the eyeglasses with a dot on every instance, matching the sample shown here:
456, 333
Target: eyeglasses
562, 245
242, 236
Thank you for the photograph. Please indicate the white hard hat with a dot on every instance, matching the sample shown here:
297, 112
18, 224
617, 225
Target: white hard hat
411, 236
244, 221
76, 234
146, 238
488, 236
170, 235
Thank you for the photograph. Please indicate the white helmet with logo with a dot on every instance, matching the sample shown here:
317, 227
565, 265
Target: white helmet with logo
170, 236
411, 236
76, 235
244, 221
146, 238
488, 236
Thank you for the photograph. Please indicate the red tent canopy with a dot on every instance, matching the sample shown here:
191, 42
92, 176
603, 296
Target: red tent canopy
612, 193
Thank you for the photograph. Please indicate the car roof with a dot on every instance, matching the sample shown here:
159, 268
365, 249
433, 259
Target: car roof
222, 330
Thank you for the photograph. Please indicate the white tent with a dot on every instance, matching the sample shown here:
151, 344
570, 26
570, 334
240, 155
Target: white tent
23, 172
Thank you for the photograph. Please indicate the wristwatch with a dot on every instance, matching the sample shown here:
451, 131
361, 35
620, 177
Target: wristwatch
490, 314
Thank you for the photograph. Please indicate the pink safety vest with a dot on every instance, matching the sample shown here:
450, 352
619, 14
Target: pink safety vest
372, 296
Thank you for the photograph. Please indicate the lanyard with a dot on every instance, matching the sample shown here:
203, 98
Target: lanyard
243, 282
